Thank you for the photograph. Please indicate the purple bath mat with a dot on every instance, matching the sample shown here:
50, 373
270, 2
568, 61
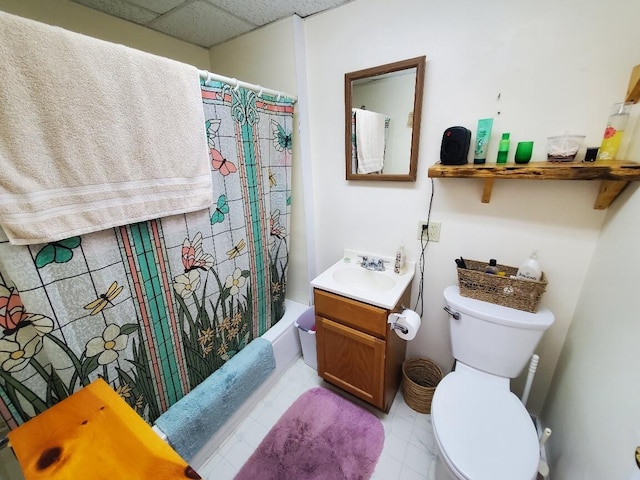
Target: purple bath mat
321, 436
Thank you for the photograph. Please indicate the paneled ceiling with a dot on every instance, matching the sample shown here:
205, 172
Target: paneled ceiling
207, 22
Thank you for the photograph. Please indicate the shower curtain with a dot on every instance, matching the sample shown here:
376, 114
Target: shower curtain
154, 308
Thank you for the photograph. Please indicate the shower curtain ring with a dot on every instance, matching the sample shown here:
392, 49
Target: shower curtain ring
208, 77
278, 98
237, 87
260, 91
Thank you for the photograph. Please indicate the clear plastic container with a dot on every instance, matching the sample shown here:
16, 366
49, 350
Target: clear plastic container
563, 148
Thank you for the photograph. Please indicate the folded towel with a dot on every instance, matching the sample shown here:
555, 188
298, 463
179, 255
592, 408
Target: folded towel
370, 140
94, 135
195, 418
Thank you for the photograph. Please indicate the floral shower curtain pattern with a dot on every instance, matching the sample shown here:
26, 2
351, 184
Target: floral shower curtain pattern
155, 307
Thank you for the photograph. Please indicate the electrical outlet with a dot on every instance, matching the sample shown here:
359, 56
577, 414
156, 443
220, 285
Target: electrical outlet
434, 231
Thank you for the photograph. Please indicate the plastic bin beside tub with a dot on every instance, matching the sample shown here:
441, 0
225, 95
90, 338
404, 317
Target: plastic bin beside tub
306, 325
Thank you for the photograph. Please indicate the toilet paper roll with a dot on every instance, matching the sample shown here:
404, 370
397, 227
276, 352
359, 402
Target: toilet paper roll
407, 319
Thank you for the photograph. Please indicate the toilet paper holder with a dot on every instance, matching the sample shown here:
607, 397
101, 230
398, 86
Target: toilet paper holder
405, 323
397, 326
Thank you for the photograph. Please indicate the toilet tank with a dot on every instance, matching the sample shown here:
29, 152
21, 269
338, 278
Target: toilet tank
492, 338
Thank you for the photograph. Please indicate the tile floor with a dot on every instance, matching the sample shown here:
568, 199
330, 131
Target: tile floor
408, 452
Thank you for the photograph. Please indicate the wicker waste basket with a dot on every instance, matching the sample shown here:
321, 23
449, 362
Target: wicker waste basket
420, 376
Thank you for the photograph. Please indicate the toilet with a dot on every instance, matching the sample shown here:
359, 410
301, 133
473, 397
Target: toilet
483, 431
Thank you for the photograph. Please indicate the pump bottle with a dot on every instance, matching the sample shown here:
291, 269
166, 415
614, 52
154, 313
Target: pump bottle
530, 269
401, 261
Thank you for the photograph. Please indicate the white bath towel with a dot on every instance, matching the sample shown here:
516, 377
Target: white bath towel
370, 140
94, 135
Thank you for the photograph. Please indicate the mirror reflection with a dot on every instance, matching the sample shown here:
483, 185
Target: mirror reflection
382, 116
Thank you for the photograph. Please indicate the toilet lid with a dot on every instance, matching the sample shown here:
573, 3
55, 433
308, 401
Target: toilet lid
485, 432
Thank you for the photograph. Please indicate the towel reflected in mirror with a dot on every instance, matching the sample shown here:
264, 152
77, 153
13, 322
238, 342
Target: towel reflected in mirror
369, 140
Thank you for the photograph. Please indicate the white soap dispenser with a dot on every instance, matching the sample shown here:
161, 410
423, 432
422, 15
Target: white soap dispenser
401, 260
530, 269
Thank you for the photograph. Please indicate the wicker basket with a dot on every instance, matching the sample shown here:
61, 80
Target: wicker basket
420, 376
508, 292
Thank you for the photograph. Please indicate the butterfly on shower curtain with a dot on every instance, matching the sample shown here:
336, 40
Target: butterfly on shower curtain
236, 250
13, 315
212, 126
104, 299
11, 328
222, 208
224, 166
272, 179
193, 256
281, 139
221, 164
57, 252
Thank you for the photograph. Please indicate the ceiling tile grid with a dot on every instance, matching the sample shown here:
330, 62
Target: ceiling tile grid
158, 6
207, 22
121, 9
261, 12
201, 23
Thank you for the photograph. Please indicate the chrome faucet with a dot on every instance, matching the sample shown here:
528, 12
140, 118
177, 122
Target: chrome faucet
371, 263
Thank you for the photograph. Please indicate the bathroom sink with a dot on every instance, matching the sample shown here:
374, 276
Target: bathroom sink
348, 278
363, 279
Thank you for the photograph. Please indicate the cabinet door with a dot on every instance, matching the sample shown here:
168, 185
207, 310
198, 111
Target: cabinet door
351, 360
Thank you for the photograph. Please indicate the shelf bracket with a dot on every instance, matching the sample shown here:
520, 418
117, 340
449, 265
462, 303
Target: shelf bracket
486, 192
633, 92
609, 191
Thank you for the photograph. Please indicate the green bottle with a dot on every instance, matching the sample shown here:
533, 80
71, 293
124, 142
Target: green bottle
503, 148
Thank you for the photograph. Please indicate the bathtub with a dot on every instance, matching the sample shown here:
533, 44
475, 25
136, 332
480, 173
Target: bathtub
286, 350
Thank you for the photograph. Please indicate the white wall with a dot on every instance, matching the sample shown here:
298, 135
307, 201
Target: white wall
555, 68
87, 21
593, 403
264, 57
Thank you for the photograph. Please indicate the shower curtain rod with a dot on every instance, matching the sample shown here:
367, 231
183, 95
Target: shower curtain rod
206, 76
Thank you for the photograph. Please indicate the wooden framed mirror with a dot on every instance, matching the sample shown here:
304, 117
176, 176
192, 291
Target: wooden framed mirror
383, 107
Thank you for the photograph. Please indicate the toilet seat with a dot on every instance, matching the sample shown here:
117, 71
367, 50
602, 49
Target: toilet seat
484, 431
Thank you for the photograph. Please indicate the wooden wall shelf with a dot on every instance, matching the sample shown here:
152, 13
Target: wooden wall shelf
614, 175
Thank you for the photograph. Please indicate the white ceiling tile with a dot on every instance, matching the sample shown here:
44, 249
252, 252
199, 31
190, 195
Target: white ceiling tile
304, 8
208, 22
121, 9
262, 12
158, 6
201, 23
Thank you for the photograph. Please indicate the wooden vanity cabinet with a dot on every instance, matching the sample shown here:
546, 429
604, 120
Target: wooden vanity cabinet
357, 351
